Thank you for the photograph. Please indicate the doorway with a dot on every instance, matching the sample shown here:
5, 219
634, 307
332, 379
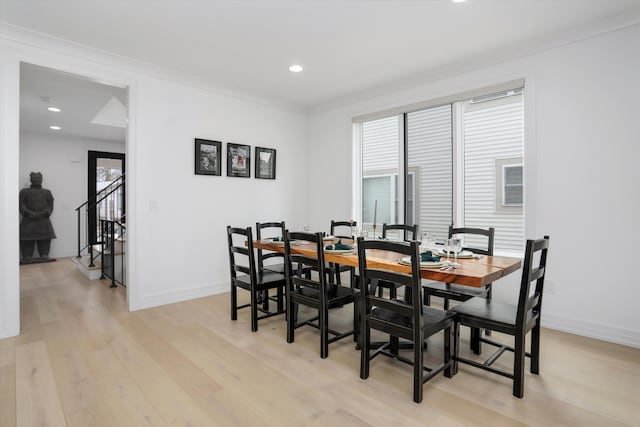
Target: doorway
106, 178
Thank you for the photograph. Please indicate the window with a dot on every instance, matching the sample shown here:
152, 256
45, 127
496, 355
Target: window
512, 185
462, 164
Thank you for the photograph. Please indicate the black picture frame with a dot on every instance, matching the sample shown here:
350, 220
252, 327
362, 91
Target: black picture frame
238, 160
265, 162
208, 157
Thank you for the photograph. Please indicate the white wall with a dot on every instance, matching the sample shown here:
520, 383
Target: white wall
582, 147
177, 251
63, 163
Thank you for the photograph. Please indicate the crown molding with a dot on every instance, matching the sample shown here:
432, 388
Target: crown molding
484, 60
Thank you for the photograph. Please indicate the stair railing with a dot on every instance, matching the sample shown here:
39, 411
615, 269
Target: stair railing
112, 232
108, 205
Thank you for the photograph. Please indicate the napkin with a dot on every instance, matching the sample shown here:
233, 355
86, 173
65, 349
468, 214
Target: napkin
428, 257
338, 247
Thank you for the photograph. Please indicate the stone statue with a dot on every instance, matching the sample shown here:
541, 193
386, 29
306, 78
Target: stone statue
36, 206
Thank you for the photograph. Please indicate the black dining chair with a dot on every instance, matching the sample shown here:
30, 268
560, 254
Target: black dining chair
406, 319
409, 233
315, 293
451, 291
508, 318
244, 275
274, 229
342, 230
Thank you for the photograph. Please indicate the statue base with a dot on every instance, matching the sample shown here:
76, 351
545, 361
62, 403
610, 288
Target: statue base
36, 260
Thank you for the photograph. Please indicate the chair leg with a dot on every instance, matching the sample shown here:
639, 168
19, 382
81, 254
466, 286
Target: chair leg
356, 320
365, 346
475, 343
254, 310
291, 320
518, 365
265, 301
324, 330
280, 297
448, 371
426, 297
234, 302
418, 363
456, 346
393, 292
535, 348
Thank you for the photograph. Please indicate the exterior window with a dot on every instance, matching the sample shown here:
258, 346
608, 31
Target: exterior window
512, 185
463, 164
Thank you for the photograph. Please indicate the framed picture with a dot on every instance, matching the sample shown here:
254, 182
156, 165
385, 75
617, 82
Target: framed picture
238, 160
208, 157
265, 163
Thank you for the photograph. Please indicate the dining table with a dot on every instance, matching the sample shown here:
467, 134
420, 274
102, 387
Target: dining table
477, 271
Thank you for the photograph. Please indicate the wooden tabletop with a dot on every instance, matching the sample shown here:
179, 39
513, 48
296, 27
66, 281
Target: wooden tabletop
472, 272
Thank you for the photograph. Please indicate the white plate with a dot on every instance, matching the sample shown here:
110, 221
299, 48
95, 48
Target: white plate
329, 238
424, 264
338, 251
461, 255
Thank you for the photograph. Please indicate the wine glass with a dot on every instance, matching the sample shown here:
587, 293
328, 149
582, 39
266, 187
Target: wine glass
306, 228
428, 240
456, 247
448, 243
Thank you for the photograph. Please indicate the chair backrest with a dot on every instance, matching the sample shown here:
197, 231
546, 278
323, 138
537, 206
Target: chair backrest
294, 276
532, 302
474, 232
248, 268
409, 232
341, 225
370, 276
264, 255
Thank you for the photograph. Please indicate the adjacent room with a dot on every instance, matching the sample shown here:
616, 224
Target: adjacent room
319, 213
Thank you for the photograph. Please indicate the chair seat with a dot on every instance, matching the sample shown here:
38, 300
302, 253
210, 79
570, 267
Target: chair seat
453, 291
277, 268
338, 295
434, 320
494, 314
266, 280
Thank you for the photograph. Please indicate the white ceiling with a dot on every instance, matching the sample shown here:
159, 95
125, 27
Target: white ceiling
348, 47
79, 99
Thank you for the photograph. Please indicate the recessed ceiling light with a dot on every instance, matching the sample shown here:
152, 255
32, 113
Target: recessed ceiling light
295, 68
55, 127
54, 109
458, 1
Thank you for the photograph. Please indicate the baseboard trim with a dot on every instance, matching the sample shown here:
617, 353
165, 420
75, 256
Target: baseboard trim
600, 331
171, 297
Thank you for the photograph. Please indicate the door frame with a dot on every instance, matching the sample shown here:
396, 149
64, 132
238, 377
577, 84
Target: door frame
92, 163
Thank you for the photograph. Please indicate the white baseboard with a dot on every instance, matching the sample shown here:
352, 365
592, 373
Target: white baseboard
171, 297
598, 331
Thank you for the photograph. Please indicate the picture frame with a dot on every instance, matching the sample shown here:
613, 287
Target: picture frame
265, 162
208, 156
238, 160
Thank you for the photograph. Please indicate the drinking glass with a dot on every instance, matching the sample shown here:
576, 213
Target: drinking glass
306, 228
448, 244
456, 247
428, 240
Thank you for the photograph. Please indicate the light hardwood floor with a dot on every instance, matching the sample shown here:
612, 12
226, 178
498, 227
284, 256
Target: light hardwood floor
83, 360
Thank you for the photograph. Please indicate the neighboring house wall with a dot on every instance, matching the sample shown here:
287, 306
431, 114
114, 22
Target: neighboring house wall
581, 148
63, 163
492, 131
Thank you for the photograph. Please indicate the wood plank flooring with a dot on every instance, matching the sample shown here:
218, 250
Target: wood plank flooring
83, 360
